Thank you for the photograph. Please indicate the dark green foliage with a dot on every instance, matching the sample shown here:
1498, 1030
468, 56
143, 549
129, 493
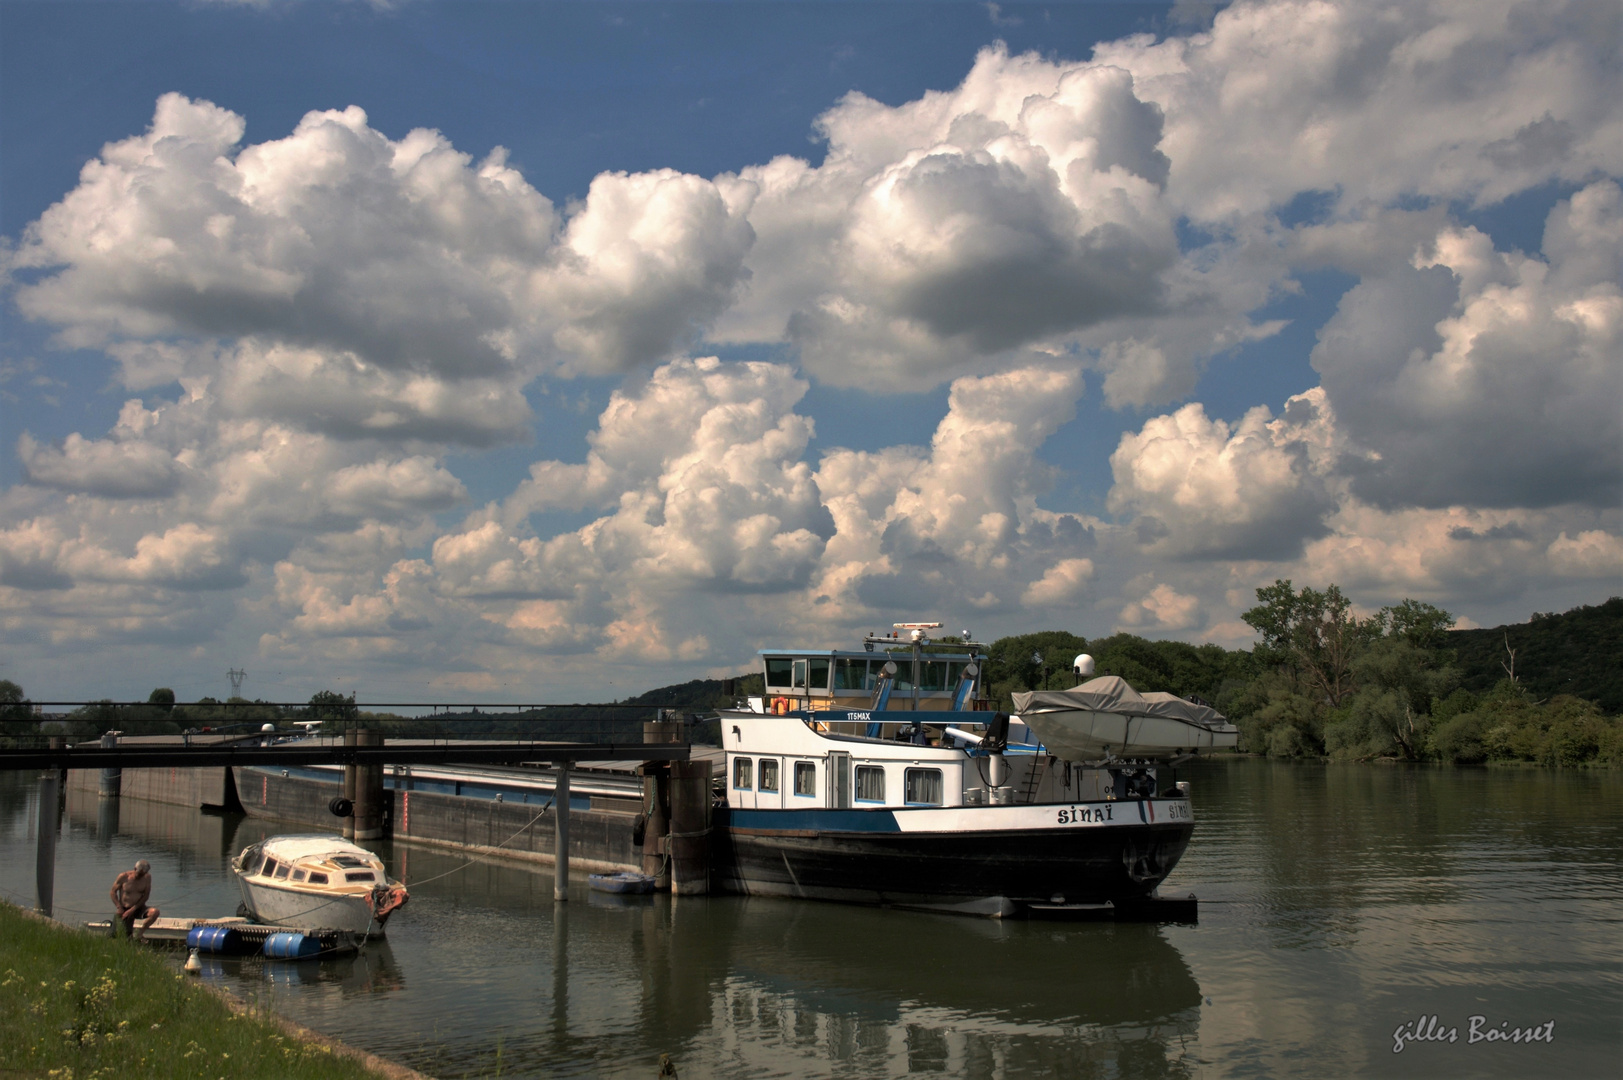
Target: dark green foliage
1509, 725
1578, 653
331, 705
1175, 667
1390, 712
1312, 634
16, 714
1039, 661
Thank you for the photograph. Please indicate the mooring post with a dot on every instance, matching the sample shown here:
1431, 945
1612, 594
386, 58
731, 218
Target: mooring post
350, 736
112, 780
368, 817
689, 841
49, 818
560, 839
656, 799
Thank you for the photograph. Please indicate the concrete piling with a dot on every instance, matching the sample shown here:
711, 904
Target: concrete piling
50, 792
350, 739
689, 839
368, 816
112, 780
656, 809
560, 809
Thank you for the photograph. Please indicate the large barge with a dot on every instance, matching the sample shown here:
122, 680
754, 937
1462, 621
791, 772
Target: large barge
884, 777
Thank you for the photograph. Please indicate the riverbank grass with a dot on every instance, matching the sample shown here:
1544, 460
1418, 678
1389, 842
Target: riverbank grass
79, 1006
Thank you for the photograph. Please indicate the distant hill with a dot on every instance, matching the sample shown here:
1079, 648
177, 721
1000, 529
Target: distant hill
701, 695
1579, 652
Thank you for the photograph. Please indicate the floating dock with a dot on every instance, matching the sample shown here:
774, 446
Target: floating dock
250, 935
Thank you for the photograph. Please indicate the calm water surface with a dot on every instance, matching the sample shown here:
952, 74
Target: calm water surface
1338, 904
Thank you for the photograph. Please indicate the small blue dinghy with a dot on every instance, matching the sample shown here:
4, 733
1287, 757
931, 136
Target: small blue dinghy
623, 882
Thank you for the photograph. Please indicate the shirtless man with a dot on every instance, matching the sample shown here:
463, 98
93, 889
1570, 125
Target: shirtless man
130, 892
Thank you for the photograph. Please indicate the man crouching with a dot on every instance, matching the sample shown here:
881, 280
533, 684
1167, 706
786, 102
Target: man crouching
131, 889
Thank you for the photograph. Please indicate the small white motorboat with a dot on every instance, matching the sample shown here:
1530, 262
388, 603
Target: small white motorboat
317, 881
1105, 717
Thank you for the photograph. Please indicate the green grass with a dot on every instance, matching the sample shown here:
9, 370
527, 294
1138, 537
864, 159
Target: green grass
78, 1006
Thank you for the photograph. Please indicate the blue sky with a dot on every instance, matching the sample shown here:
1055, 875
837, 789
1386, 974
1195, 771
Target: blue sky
500, 351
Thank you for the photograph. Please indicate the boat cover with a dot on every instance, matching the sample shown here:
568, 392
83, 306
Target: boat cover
1113, 694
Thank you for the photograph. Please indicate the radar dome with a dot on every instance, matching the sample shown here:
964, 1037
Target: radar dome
1083, 665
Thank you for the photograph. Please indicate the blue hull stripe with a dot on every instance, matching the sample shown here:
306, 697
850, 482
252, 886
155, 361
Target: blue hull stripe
870, 821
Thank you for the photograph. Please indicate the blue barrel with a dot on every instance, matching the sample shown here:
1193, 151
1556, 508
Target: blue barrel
218, 939
292, 946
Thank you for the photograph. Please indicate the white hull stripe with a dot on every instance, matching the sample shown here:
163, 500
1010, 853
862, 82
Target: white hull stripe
969, 819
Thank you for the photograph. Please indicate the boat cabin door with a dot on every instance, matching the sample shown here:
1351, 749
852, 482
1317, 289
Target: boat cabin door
839, 780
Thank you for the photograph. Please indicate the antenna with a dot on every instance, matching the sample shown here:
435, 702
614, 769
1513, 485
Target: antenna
236, 678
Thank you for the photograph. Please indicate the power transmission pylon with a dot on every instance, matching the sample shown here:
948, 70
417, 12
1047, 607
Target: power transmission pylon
236, 678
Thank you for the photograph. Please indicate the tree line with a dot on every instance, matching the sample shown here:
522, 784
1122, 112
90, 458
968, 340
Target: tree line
1324, 682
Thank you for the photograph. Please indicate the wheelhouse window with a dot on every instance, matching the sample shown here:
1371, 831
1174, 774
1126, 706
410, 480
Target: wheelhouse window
298, 875
805, 778
870, 783
281, 873
818, 677
769, 774
851, 675
923, 787
779, 672
270, 868
743, 773
317, 878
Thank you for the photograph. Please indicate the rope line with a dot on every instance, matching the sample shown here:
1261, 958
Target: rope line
498, 847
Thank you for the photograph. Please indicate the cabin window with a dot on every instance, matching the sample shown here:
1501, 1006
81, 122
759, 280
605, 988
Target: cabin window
253, 863
769, 774
955, 671
870, 783
805, 778
347, 860
818, 679
778, 671
742, 773
799, 674
298, 875
281, 873
317, 878
360, 875
270, 867
923, 787
851, 675
933, 675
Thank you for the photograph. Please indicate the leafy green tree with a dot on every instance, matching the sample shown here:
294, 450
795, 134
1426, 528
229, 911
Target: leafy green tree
1039, 661
16, 713
1425, 626
1314, 634
162, 699
331, 707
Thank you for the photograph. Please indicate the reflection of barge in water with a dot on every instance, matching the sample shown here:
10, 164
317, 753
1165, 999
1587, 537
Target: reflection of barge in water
835, 793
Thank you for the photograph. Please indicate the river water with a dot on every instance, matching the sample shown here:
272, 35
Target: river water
1338, 905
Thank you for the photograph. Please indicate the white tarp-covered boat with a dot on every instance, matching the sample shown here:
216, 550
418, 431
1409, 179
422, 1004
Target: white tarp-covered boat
1106, 716
317, 881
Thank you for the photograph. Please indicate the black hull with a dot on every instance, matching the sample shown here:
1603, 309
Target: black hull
982, 872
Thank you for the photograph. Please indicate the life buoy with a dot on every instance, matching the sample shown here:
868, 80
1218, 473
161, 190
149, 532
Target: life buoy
780, 706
